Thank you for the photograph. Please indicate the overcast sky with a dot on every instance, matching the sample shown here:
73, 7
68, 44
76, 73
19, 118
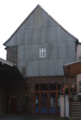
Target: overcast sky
13, 12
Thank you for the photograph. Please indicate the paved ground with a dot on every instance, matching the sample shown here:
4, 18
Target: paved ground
28, 117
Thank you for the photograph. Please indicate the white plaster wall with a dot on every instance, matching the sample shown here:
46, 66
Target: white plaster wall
66, 106
62, 106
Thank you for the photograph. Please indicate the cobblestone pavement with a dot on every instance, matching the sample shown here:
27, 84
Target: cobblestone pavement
28, 117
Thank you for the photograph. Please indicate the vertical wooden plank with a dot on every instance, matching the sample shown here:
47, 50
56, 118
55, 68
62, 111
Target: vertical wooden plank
34, 99
48, 86
48, 98
69, 93
27, 87
39, 87
48, 102
39, 99
56, 100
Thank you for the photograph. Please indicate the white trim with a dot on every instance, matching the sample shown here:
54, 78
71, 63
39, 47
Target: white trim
6, 62
42, 52
72, 63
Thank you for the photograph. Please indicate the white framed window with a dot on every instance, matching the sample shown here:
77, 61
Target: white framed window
42, 52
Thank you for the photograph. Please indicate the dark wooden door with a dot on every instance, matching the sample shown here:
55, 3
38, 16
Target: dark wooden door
13, 105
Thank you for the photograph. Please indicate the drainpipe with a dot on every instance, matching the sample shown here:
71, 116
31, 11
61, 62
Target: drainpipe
64, 100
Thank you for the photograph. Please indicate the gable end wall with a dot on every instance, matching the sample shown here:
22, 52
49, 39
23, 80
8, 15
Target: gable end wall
40, 31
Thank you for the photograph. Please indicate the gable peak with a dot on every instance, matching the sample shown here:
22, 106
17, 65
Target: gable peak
38, 6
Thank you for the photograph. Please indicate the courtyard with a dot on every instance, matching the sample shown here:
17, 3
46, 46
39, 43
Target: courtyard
28, 117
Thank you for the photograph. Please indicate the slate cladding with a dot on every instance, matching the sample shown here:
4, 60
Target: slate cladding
40, 30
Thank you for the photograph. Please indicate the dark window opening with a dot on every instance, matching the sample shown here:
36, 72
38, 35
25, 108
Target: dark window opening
36, 87
52, 86
53, 99
44, 87
43, 99
59, 86
36, 99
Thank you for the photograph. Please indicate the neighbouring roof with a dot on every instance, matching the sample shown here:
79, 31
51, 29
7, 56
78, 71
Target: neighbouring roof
72, 69
29, 16
9, 71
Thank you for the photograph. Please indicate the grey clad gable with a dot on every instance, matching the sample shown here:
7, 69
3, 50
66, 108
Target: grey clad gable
36, 17
40, 30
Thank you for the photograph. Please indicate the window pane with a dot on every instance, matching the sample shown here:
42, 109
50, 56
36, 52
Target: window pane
42, 52
43, 99
36, 99
79, 57
58, 99
53, 99
59, 86
44, 87
52, 86
36, 87
79, 86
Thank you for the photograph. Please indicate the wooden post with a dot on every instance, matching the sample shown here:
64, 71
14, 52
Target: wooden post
27, 87
69, 93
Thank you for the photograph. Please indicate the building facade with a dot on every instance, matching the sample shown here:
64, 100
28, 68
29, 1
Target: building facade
78, 77
40, 47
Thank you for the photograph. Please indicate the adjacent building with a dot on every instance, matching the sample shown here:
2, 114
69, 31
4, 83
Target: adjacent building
78, 77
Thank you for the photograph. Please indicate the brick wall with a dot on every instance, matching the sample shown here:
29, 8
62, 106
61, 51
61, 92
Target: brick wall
12, 54
31, 99
30, 104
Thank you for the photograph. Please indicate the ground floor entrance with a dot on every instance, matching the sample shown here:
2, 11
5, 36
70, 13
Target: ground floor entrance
47, 100
13, 105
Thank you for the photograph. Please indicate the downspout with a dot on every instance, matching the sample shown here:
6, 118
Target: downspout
64, 95
64, 100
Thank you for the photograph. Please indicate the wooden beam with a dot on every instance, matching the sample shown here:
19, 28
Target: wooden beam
74, 69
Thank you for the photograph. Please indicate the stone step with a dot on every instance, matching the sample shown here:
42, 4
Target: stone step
72, 118
76, 115
74, 108
75, 102
75, 105
75, 112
